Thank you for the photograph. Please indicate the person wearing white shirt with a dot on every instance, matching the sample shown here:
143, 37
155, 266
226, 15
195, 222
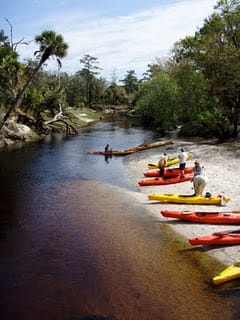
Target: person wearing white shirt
182, 161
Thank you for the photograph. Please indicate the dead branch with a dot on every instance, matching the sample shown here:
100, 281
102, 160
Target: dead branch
14, 45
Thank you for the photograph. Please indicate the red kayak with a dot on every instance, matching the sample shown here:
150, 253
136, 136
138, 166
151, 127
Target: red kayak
204, 217
168, 172
165, 180
230, 237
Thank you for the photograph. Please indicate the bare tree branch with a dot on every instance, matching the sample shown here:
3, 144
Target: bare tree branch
14, 45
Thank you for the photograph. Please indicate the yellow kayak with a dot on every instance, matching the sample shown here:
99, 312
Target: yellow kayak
189, 199
230, 273
170, 162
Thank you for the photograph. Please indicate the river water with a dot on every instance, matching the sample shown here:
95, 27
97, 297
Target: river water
75, 245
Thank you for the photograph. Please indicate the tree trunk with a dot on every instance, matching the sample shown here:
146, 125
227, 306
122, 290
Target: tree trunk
235, 126
17, 101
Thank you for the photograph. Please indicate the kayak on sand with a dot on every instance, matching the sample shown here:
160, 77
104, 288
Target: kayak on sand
170, 162
203, 217
171, 172
230, 237
230, 273
165, 180
191, 199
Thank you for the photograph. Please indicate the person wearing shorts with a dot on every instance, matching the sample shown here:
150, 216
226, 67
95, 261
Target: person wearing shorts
182, 161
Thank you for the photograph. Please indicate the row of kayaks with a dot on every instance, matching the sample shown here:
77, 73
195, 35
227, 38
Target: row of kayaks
173, 176
221, 238
228, 237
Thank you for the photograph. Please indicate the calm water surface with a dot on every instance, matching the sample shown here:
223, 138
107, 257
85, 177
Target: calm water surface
75, 246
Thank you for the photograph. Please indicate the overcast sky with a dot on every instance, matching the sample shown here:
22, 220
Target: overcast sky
122, 34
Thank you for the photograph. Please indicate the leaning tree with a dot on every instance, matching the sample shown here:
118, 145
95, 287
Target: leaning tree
50, 45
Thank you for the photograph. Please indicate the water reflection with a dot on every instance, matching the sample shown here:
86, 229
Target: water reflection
107, 158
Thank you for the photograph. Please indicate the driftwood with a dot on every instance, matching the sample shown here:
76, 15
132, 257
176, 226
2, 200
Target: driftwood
69, 127
59, 117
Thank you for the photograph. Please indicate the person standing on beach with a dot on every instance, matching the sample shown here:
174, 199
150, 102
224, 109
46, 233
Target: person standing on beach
199, 180
162, 164
182, 161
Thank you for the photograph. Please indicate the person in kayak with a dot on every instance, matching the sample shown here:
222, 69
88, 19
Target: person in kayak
162, 164
106, 149
182, 161
199, 179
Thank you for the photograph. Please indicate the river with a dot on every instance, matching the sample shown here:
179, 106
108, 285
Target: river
75, 245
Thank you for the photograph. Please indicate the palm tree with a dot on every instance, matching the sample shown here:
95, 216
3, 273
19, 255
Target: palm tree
51, 45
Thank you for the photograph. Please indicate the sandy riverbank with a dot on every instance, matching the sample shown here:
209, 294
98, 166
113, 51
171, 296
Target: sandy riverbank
221, 164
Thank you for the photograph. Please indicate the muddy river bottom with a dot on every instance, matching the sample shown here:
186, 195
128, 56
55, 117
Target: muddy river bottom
88, 251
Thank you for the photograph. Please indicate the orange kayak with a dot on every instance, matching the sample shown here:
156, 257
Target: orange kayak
168, 172
230, 237
165, 180
204, 217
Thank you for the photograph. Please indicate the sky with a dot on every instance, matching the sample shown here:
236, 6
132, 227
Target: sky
122, 34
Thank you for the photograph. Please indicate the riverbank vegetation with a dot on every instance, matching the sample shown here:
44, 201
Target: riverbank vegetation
198, 87
195, 90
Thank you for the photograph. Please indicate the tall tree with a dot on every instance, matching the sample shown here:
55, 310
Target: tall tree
51, 45
215, 50
88, 73
131, 84
10, 70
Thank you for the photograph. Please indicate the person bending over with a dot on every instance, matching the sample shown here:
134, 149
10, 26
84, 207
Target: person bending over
199, 179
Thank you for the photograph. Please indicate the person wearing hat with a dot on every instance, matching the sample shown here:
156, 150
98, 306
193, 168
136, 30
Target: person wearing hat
197, 168
199, 180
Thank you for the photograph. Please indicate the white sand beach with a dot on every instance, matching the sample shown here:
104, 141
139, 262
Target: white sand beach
221, 163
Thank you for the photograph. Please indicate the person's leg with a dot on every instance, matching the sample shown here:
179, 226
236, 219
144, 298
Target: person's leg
196, 185
202, 185
200, 188
182, 167
161, 172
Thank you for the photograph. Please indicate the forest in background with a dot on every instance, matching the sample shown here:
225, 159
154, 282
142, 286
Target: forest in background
195, 90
